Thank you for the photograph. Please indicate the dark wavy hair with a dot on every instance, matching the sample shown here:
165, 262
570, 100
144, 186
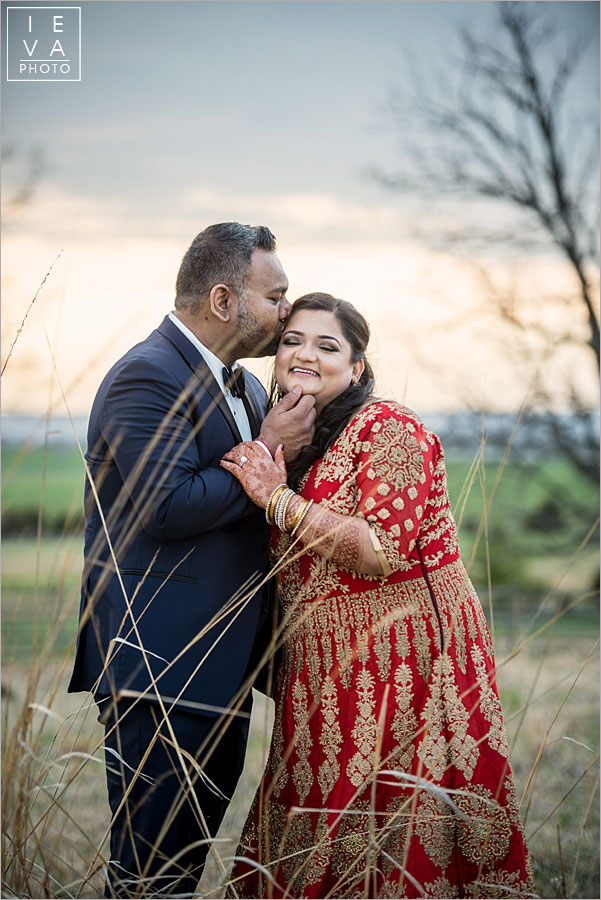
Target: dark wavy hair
337, 414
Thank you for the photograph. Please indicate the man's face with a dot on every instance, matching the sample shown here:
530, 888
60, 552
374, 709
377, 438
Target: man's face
263, 307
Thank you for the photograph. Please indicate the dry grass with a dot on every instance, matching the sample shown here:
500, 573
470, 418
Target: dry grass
56, 811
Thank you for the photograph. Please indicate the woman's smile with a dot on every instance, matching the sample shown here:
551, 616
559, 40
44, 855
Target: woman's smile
297, 370
315, 354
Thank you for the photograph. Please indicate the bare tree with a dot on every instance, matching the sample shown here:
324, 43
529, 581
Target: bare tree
507, 135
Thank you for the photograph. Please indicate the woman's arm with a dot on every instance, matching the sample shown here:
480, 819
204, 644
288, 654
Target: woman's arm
347, 541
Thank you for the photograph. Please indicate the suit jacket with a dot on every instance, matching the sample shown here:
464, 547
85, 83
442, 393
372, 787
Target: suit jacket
172, 543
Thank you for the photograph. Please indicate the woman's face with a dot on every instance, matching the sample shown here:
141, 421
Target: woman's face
314, 354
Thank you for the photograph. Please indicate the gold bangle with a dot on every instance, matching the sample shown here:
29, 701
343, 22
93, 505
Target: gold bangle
298, 514
304, 513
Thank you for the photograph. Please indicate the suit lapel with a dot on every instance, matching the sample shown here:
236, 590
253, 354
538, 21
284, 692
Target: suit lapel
250, 406
205, 376
202, 372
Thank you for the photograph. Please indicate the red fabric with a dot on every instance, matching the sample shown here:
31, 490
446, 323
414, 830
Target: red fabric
380, 677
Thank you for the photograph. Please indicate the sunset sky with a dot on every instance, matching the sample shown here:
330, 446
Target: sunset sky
271, 113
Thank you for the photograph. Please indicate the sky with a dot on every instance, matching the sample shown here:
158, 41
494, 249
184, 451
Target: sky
275, 113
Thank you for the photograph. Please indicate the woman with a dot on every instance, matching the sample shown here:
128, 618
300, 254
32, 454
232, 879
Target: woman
388, 774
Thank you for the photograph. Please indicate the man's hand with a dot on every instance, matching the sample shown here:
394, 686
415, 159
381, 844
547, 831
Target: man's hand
290, 423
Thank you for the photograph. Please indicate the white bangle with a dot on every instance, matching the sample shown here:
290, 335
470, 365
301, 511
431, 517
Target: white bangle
281, 506
284, 510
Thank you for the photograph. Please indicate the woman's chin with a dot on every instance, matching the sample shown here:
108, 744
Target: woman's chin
305, 385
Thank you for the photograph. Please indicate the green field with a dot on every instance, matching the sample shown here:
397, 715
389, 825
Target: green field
538, 516
537, 521
34, 480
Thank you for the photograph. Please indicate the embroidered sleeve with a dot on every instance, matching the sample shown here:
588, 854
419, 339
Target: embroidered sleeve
396, 463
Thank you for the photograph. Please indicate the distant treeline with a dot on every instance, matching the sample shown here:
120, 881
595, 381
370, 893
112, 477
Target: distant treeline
460, 432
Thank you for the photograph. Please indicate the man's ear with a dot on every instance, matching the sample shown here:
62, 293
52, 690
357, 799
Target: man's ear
222, 302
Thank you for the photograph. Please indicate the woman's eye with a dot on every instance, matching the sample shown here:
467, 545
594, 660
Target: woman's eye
289, 342
329, 349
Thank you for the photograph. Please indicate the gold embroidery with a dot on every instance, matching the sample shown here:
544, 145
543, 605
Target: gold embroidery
435, 827
441, 888
364, 731
404, 724
396, 455
350, 845
397, 560
302, 773
499, 885
485, 836
331, 738
265, 846
278, 768
490, 705
402, 638
425, 647
338, 463
444, 707
511, 803
305, 850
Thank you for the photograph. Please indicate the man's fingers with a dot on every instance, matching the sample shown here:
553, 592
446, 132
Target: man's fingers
279, 457
306, 404
290, 399
236, 453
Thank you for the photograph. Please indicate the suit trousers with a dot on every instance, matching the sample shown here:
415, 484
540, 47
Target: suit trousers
165, 816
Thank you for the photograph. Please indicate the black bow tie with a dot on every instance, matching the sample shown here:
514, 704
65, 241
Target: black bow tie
233, 380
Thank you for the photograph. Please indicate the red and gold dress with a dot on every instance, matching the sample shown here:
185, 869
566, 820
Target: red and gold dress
388, 773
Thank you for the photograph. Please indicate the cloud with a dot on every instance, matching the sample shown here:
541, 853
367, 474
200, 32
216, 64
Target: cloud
302, 217
307, 216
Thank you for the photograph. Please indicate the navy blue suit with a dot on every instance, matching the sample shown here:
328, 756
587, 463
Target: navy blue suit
185, 543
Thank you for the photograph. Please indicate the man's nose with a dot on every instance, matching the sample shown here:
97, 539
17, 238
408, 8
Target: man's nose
285, 308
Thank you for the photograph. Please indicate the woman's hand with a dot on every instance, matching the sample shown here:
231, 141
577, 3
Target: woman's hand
258, 474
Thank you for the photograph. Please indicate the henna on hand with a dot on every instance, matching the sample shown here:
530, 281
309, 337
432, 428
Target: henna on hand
258, 474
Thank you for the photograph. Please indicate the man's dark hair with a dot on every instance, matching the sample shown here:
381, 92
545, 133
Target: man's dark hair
218, 255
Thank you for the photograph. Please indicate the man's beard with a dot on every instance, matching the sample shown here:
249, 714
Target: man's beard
253, 339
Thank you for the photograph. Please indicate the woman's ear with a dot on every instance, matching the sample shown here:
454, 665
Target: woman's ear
357, 370
221, 302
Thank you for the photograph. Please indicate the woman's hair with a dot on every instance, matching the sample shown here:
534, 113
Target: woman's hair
335, 416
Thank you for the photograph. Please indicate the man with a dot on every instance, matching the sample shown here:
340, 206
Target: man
175, 614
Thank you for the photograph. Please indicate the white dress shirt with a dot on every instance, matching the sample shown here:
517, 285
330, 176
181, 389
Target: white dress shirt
235, 404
